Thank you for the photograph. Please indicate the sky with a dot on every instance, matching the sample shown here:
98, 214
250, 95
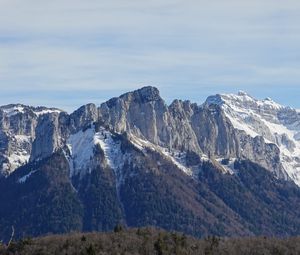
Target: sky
66, 53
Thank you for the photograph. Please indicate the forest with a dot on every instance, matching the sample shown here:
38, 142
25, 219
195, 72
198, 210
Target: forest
148, 241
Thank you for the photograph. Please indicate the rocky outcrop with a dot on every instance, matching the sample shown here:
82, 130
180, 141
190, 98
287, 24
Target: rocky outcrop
181, 125
265, 154
33, 133
48, 137
142, 113
83, 117
18, 125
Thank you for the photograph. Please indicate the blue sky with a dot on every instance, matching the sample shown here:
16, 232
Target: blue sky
65, 53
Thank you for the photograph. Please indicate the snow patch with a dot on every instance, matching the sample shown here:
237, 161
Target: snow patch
17, 159
111, 148
19, 153
229, 167
46, 111
112, 152
13, 110
177, 157
81, 147
24, 178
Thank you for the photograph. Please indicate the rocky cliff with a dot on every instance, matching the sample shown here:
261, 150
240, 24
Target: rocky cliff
224, 127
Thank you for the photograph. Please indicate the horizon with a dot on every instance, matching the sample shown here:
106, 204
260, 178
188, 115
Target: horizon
164, 96
64, 54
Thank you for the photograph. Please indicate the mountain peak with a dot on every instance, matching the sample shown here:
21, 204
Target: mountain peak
148, 91
214, 100
144, 94
243, 99
242, 93
221, 99
14, 109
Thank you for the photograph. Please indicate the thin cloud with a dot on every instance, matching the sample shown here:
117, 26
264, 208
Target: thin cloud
120, 45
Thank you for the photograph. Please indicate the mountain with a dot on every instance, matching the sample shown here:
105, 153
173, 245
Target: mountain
228, 167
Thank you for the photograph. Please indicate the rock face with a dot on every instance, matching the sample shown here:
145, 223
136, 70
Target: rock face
181, 125
265, 154
48, 137
141, 112
83, 117
18, 124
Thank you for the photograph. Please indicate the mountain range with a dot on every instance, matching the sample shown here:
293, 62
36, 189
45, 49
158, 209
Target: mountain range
228, 167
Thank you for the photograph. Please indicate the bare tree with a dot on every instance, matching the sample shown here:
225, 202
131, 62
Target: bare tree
12, 236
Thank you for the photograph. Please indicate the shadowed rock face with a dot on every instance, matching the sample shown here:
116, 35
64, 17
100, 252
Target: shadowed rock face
82, 117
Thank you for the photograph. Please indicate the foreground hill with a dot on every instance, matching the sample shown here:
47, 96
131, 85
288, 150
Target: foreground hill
149, 241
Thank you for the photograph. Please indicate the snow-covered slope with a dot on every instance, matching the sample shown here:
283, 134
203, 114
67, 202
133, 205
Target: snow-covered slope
81, 147
19, 153
177, 157
277, 124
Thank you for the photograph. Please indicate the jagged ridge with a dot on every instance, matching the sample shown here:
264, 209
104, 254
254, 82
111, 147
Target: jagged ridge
225, 126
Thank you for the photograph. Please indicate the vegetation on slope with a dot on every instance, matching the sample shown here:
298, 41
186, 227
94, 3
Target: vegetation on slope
148, 241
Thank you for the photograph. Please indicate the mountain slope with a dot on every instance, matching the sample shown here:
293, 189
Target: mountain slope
39, 198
